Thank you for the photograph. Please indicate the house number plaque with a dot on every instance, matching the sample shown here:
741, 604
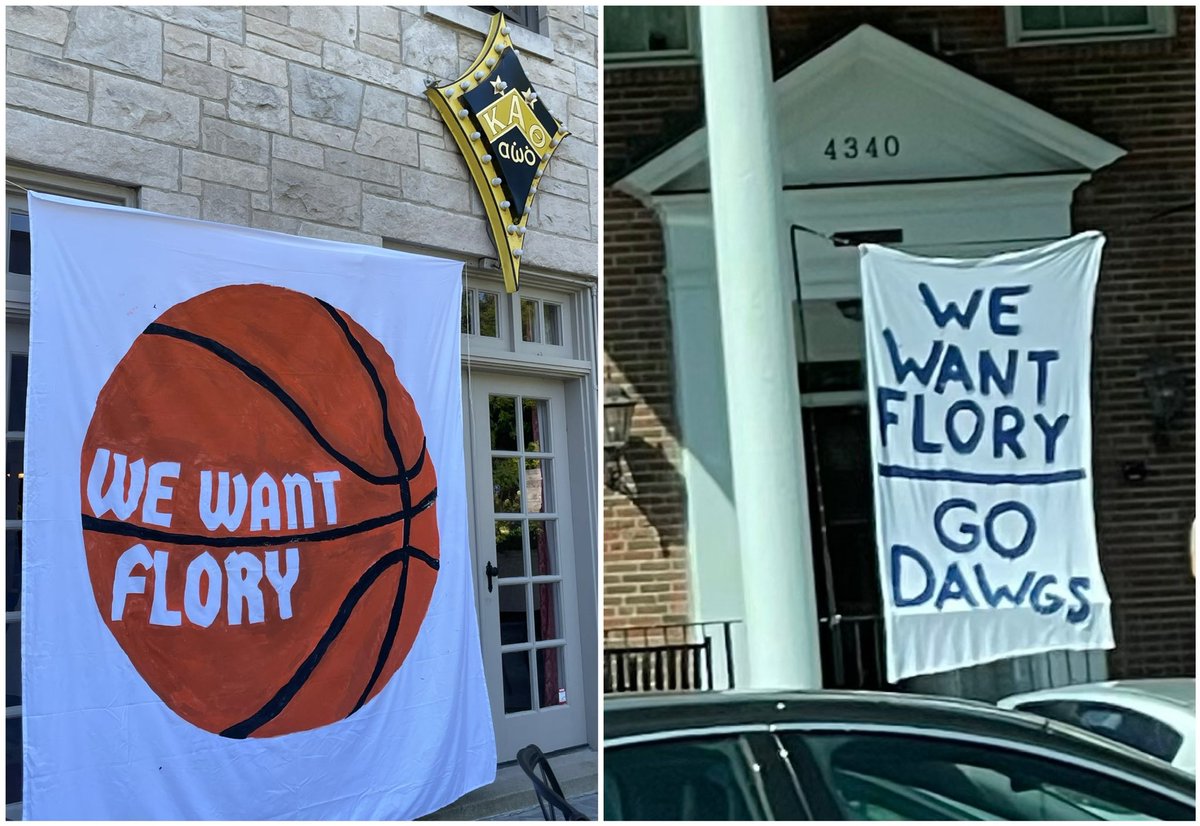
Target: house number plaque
851, 148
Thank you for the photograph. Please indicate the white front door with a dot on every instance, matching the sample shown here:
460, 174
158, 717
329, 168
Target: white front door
524, 561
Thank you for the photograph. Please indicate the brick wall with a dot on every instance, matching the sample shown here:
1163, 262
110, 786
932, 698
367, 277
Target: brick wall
1137, 94
309, 120
645, 562
645, 567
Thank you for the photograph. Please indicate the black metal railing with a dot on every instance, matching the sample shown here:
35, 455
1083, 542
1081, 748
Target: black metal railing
668, 657
852, 652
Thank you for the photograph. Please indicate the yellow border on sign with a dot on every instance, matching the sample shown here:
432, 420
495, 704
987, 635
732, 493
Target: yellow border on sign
508, 234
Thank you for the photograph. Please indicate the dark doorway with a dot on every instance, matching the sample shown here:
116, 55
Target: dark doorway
841, 503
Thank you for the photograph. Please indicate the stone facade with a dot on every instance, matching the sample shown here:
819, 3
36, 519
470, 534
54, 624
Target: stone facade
310, 120
1138, 94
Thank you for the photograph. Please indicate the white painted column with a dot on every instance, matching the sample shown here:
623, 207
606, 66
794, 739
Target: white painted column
765, 433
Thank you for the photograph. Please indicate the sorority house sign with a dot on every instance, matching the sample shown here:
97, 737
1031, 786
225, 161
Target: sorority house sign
506, 135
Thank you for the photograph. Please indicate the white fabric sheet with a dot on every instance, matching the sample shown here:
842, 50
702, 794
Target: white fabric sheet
981, 438
122, 719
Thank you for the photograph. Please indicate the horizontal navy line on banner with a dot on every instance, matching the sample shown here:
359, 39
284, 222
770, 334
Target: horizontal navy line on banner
946, 475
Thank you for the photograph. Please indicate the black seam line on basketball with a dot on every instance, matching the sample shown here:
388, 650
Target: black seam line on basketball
92, 523
389, 436
389, 638
284, 695
256, 374
415, 470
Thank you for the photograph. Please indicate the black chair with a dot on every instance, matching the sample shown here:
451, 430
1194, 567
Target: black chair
550, 795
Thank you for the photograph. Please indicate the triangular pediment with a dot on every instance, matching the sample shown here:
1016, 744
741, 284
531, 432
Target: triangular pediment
871, 109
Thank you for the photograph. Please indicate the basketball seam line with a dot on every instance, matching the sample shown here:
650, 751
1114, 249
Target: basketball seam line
415, 470
389, 638
273, 707
259, 377
94, 523
389, 436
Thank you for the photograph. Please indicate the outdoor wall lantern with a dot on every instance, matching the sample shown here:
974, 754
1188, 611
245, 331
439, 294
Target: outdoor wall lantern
618, 415
1166, 387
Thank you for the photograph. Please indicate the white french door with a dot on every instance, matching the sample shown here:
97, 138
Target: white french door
524, 561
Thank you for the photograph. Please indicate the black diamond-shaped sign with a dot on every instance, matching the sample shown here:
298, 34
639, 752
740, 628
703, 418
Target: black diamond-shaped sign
515, 125
506, 136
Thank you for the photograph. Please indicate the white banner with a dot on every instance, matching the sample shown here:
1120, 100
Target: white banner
981, 438
247, 589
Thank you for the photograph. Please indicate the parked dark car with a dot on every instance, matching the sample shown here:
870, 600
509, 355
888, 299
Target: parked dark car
827, 755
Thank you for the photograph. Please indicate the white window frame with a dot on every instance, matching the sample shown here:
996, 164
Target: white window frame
666, 57
577, 296
1160, 23
19, 180
570, 353
567, 327
474, 288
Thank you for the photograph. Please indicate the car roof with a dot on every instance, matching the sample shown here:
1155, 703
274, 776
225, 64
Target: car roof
658, 711
1179, 692
663, 712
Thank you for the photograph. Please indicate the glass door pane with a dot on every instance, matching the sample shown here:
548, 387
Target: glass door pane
522, 486
528, 616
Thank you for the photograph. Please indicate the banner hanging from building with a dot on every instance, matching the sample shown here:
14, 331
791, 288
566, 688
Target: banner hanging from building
981, 439
247, 589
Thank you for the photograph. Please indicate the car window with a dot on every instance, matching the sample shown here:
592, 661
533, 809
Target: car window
698, 778
907, 777
1140, 731
1061, 710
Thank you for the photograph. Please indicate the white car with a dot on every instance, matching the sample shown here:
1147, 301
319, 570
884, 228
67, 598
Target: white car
1157, 717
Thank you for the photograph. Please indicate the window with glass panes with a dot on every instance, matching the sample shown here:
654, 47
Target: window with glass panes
527, 17
16, 374
526, 523
530, 319
16, 350
480, 312
649, 33
16, 371
541, 321
1028, 25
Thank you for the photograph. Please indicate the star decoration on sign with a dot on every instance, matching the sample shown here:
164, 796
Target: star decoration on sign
498, 86
530, 96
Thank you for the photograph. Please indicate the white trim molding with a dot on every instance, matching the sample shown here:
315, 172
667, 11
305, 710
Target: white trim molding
868, 50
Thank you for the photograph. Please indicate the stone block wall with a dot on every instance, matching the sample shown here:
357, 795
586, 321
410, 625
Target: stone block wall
309, 120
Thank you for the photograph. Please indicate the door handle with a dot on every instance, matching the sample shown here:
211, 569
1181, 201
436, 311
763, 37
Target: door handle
491, 571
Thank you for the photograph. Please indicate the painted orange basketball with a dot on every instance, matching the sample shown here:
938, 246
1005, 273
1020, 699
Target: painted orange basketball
302, 403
